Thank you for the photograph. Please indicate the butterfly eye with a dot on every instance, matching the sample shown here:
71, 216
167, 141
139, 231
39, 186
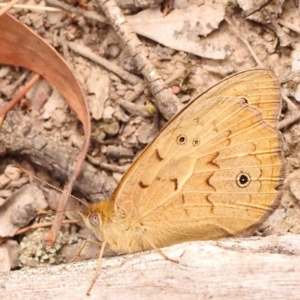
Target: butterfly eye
243, 180
196, 142
94, 219
181, 139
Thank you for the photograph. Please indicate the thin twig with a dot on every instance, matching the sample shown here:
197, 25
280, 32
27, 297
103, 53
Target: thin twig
290, 104
42, 225
262, 4
134, 108
288, 25
290, 76
65, 48
7, 6
176, 74
244, 40
78, 11
113, 168
284, 39
88, 53
110, 66
167, 103
33, 7
17, 98
288, 120
11, 89
137, 91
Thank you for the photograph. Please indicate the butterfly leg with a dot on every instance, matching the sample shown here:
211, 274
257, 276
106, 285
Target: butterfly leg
98, 268
160, 252
77, 255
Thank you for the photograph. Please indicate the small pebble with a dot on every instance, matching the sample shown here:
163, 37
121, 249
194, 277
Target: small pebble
12, 172
18, 183
4, 180
121, 93
114, 50
108, 112
2, 201
5, 193
175, 89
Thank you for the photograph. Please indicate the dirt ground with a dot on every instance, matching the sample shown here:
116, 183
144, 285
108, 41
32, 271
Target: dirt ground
224, 43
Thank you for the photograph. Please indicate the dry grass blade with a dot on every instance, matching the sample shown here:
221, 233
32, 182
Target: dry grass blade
8, 6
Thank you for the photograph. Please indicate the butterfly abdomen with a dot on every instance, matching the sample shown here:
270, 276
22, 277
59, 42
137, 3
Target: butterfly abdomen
125, 237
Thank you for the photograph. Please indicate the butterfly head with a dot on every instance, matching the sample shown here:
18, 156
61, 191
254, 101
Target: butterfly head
95, 215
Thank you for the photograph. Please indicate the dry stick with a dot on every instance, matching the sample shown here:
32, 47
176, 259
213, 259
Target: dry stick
65, 48
94, 184
110, 66
113, 168
257, 60
288, 121
8, 6
167, 103
284, 39
77, 167
78, 11
137, 4
134, 109
177, 74
33, 7
251, 11
88, 53
52, 235
13, 87
245, 42
95, 16
17, 98
42, 225
291, 76
288, 25
291, 105
137, 90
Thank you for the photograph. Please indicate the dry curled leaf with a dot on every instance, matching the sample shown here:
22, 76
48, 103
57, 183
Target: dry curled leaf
182, 29
20, 46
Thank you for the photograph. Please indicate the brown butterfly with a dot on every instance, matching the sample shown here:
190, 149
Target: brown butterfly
214, 171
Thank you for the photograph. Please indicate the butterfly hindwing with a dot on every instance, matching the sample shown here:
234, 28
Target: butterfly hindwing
214, 170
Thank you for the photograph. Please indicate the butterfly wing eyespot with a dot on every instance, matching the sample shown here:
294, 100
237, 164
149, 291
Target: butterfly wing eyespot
243, 180
94, 219
181, 139
196, 142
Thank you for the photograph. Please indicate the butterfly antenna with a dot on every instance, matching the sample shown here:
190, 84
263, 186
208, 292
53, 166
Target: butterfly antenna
48, 184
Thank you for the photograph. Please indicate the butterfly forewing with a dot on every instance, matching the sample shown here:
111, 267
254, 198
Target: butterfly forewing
214, 170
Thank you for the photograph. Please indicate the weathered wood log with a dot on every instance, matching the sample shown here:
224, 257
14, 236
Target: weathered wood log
21, 136
252, 268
